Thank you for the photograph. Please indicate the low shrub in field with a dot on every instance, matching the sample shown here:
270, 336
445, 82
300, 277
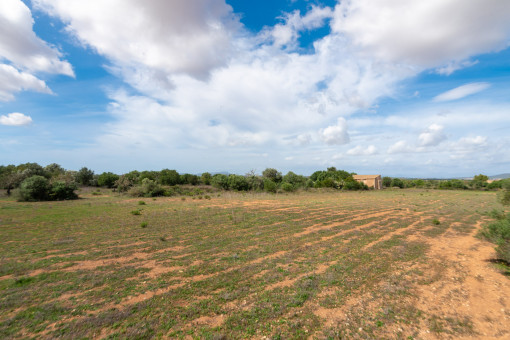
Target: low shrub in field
63, 191
136, 212
499, 233
35, 188
38, 188
144, 224
149, 188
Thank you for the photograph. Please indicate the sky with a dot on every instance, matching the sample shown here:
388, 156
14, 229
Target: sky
392, 87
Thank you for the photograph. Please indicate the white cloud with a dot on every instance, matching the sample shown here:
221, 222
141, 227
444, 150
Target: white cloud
425, 34
20, 45
287, 34
454, 66
335, 134
22, 53
13, 81
432, 136
361, 151
178, 36
400, 147
15, 119
462, 91
477, 141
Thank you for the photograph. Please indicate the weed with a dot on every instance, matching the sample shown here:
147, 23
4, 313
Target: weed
207, 197
23, 281
436, 222
136, 212
144, 224
141, 203
162, 239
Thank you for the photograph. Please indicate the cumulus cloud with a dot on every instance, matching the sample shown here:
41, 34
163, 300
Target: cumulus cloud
22, 53
335, 134
462, 91
178, 36
20, 45
400, 147
432, 136
15, 119
13, 81
362, 151
425, 34
287, 34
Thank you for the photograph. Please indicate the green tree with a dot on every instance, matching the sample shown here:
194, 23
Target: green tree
84, 176
220, 181
169, 177
272, 174
397, 182
239, 183
270, 186
386, 182
34, 188
107, 179
206, 178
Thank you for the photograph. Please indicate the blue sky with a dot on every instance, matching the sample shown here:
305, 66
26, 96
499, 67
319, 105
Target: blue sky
209, 85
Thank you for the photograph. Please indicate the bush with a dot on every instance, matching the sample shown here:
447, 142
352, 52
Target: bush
239, 183
220, 181
270, 186
499, 233
397, 182
505, 197
148, 188
63, 191
107, 179
35, 188
84, 176
124, 183
287, 187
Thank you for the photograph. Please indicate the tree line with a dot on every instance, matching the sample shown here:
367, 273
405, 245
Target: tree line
31, 181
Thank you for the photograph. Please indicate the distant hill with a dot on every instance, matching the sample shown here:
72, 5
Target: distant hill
502, 176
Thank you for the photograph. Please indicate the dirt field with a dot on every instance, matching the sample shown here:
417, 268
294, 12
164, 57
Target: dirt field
402, 264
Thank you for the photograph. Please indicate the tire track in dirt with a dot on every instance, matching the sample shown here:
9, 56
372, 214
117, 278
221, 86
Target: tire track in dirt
471, 289
359, 217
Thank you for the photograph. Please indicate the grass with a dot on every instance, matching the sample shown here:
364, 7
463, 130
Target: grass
321, 264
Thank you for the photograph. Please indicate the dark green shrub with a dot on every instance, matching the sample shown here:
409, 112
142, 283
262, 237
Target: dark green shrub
141, 202
220, 181
63, 191
287, 187
272, 174
35, 188
136, 212
169, 177
144, 224
84, 176
397, 182
239, 183
270, 186
107, 179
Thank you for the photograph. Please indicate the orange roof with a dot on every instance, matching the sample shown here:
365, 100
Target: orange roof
365, 176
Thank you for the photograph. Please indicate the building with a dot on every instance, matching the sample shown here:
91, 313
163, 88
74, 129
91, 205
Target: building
371, 181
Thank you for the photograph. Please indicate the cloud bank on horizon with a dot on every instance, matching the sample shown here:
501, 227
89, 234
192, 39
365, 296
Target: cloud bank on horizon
376, 91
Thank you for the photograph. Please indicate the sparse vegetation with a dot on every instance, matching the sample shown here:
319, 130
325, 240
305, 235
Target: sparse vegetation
315, 264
